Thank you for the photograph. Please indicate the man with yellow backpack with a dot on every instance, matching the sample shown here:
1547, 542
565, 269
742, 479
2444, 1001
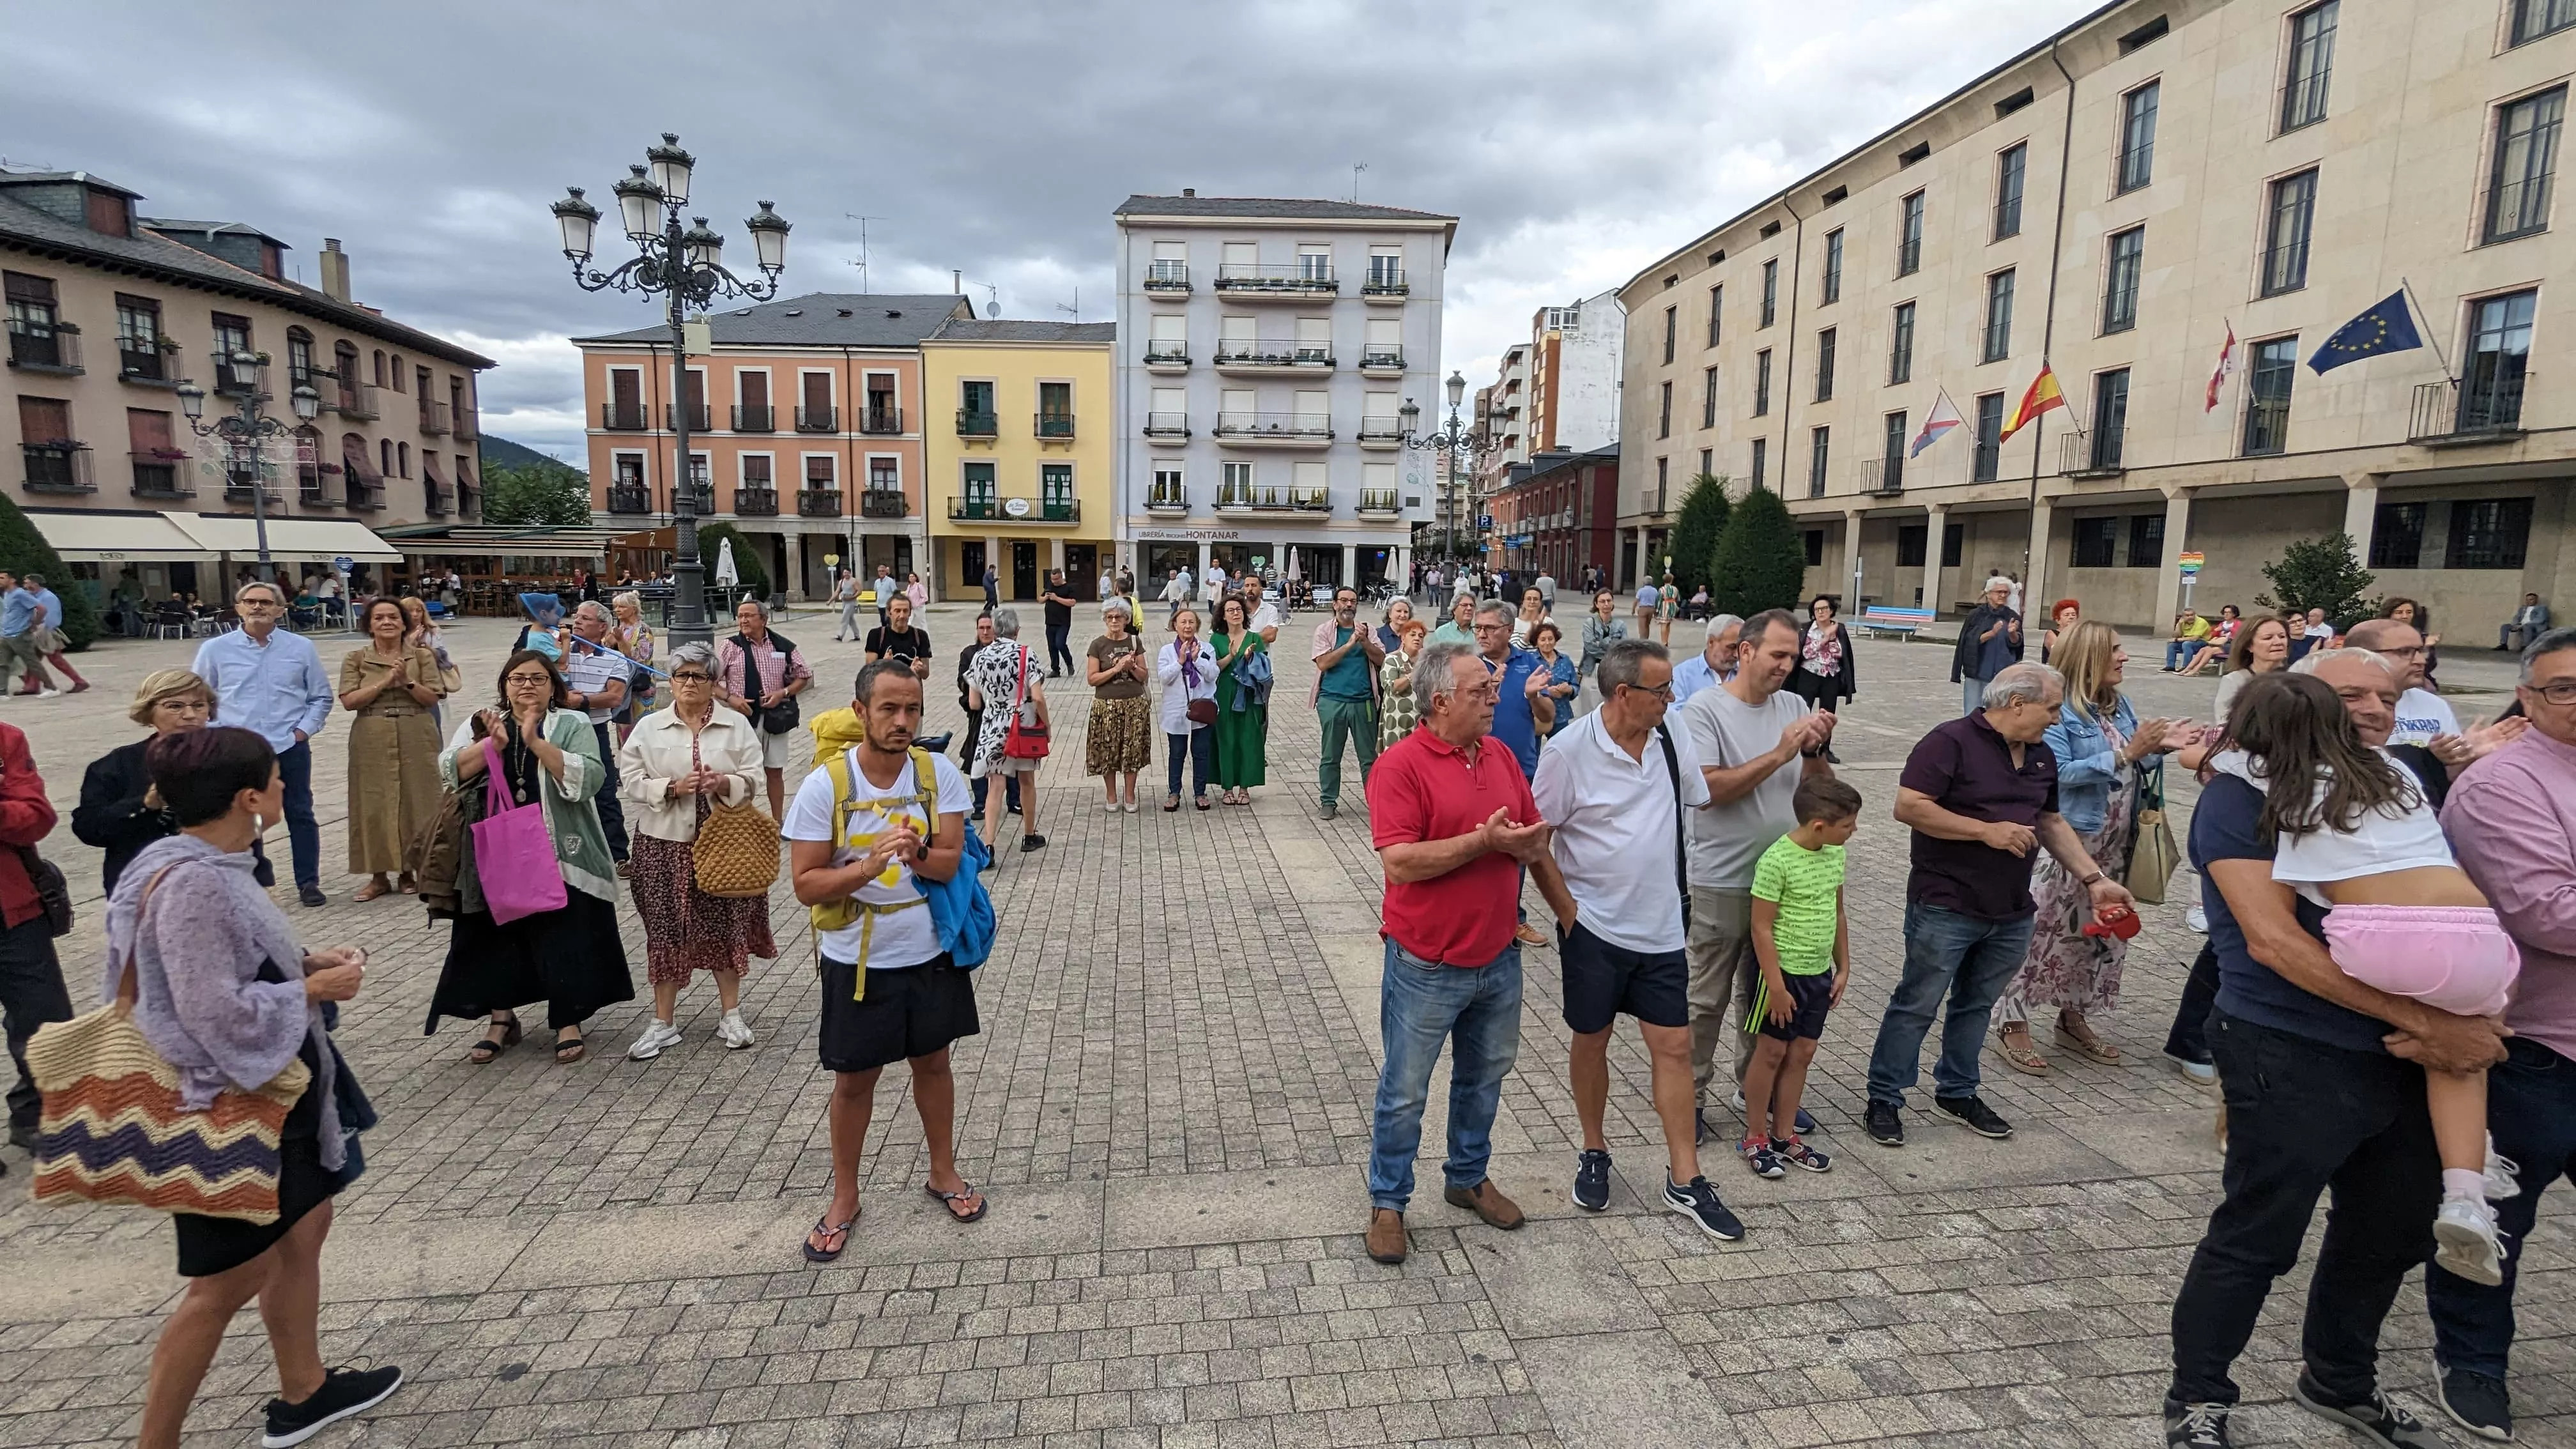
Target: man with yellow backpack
881, 855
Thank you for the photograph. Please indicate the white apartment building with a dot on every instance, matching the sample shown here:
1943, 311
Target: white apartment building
1266, 349
1574, 361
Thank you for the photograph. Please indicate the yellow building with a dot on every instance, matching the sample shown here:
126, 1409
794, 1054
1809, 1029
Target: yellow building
1020, 474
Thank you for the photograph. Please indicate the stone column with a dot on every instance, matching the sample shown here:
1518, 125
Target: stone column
2177, 542
1846, 587
1645, 560
1350, 565
2034, 587
1936, 522
793, 586
2360, 510
1198, 582
1400, 571
1055, 552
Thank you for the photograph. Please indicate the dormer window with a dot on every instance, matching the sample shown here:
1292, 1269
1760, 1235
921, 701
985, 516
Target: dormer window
109, 213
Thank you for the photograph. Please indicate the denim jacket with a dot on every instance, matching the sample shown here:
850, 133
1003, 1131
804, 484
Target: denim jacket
2087, 769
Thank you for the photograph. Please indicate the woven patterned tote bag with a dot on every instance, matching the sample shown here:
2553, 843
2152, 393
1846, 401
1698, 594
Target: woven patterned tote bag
736, 852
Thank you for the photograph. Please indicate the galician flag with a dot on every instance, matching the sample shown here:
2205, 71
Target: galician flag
2043, 395
1943, 417
2226, 365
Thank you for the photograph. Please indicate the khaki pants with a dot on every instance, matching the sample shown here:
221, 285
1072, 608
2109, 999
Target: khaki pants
1722, 977
24, 659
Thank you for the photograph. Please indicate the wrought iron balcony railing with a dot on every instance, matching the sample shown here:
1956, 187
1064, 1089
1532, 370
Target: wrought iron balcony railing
58, 467
616, 417
755, 502
886, 421
44, 346
2475, 409
972, 424
818, 420
818, 503
754, 418
629, 498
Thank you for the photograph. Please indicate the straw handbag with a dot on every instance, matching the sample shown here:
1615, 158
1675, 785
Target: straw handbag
736, 852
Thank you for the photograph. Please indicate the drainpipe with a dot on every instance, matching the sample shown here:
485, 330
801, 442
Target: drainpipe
852, 485
2048, 316
1789, 350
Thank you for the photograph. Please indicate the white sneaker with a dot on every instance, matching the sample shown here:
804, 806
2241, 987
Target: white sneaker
2466, 1234
2197, 919
2199, 1074
1737, 1101
733, 1031
2502, 1182
659, 1035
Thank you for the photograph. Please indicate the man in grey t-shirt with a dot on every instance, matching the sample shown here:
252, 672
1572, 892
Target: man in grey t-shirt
1752, 735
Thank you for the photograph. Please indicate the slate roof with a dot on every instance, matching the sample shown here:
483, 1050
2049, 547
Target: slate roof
1000, 329
819, 319
1269, 206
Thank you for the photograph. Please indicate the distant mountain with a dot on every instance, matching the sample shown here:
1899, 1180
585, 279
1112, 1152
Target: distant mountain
502, 453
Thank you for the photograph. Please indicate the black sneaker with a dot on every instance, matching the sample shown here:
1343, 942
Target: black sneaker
312, 895
344, 1392
1032, 842
2197, 1426
2373, 1418
1592, 1180
1973, 1114
1697, 1201
1884, 1126
2476, 1402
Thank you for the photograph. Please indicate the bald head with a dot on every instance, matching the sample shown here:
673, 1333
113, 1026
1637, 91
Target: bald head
2395, 641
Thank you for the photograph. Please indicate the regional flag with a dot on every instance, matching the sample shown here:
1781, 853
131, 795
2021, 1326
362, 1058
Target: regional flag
2387, 327
2218, 376
2043, 395
1943, 417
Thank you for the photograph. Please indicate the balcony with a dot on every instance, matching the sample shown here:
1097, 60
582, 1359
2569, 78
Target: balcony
233, 379
1167, 279
435, 500
1275, 430
818, 420
1381, 434
1377, 500
1289, 282
1167, 427
469, 424
2092, 455
882, 421
365, 491
1382, 362
469, 503
58, 467
1056, 427
1384, 284
1167, 498
982, 506
1883, 476
237, 488
818, 503
1274, 500
312, 483
699, 417
144, 360
435, 418
1167, 354
971, 424
754, 418
1246, 357
884, 503
2267, 426
52, 347
629, 498
360, 401
162, 473
2473, 410
751, 502
615, 417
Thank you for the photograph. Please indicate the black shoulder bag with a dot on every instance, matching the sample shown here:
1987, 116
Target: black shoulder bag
1681, 837
779, 718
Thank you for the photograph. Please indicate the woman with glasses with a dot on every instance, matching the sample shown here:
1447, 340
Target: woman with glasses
390, 686
676, 766
1562, 685
1242, 708
1398, 709
570, 957
1187, 668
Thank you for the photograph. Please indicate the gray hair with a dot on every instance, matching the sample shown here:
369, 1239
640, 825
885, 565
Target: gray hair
2556, 641
1435, 670
701, 655
1625, 663
1116, 606
1718, 625
1496, 608
594, 606
755, 603
624, 597
2316, 659
1006, 623
275, 593
2023, 683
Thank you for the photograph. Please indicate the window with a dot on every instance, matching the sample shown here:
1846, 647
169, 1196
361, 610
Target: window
1891, 445
1664, 421
1813, 540
1761, 460
1314, 262
1819, 446
1833, 265
979, 484
2285, 249
1909, 545
1055, 488
2137, 138
2499, 350
1716, 295
35, 335
820, 474
2120, 280
1762, 383
1954, 540
1672, 322
299, 357
2146, 540
755, 473
396, 372
1663, 483
138, 326
1708, 397
1999, 300
232, 335
2397, 535
885, 475
1386, 267
2526, 155
2303, 89
1235, 483
1986, 462
2010, 168
1900, 346
2267, 395
1055, 399
2097, 541
2489, 533
1909, 235
2533, 19
380, 368
1825, 365
1770, 291
2110, 418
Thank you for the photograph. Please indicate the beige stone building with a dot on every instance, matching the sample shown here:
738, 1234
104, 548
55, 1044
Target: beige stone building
2118, 202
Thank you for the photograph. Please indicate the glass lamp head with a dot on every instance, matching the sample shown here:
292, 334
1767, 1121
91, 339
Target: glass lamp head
769, 238
578, 220
670, 168
639, 204
701, 244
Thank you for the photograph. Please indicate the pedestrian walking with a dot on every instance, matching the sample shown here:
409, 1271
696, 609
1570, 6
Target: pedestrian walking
1649, 598
119, 812
992, 588
1347, 657
1454, 826
31, 978
901, 639
1058, 601
389, 687
972, 736
1545, 583
1980, 794
862, 838
677, 765
1802, 940
595, 683
49, 638
1668, 602
846, 594
1006, 686
1120, 738
1989, 641
881, 589
919, 592
1176, 593
760, 672
224, 993
1398, 708
1613, 790
1242, 703
269, 681
569, 957
1188, 712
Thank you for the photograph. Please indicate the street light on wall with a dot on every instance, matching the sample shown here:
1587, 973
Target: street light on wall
1452, 437
246, 428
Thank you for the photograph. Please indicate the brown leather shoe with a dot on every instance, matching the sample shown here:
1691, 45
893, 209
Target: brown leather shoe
1487, 1201
1386, 1240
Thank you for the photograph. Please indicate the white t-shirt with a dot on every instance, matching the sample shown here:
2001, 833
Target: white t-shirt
1266, 617
2381, 842
2422, 714
1728, 839
1614, 829
589, 672
900, 938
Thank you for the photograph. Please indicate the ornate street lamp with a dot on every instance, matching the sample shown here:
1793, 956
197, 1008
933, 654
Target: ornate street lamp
244, 430
1453, 437
682, 267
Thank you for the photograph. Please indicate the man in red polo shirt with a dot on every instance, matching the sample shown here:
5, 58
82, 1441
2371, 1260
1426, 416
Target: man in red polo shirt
1452, 819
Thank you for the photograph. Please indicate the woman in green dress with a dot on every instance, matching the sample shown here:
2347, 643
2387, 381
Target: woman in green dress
1242, 711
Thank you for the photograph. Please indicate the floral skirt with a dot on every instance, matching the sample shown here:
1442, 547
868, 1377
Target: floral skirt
2065, 967
1120, 739
685, 929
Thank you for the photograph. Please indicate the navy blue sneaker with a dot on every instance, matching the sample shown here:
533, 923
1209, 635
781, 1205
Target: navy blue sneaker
1592, 1180
1760, 1157
2374, 1418
1697, 1201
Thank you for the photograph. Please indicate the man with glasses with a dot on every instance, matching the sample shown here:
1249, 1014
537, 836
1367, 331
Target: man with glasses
2422, 715
270, 680
1525, 710
597, 679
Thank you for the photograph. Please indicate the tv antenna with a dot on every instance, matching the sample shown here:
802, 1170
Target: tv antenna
862, 262
1076, 308
1355, 181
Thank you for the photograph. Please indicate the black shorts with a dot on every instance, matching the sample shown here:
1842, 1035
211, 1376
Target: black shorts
208, 1246
910, 1011
1603, 980
1814, 996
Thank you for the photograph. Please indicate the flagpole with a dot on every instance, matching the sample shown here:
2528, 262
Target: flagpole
2431, 337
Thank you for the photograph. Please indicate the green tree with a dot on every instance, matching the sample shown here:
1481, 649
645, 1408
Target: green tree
2320, 573
746, 560
24, 551
536, 493
1697, 529
1759, 562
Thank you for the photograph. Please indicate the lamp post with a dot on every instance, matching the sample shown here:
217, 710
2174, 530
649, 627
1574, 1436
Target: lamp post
1453, 438
245, 429
682, 267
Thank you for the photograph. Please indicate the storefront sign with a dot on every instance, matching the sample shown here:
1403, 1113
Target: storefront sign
1218, 535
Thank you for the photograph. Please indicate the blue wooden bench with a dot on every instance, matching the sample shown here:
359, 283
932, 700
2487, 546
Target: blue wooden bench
1880, 621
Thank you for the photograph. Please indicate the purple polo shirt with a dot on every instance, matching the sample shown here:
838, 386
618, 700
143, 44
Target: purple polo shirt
1967, 769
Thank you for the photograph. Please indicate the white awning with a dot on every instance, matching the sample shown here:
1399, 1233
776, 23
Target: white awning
81, 536
298, 540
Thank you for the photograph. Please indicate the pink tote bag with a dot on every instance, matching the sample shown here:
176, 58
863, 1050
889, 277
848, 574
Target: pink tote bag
512, 852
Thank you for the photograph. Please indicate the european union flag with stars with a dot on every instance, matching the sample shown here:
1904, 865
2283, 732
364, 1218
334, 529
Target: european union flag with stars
2388, 327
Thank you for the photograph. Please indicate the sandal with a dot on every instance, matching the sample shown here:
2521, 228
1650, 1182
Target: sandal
821, 1255
2089, 1044
372, 890
1171, 803
571, 1044
952, 1199
2022, 1058
486, 1048
407, 885
1203, 802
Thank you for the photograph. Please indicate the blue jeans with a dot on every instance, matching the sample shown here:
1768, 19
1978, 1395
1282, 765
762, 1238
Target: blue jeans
1419, 1007
2178, 652
303, 837
1946, 953
2531, 1109
1972, 695
1199, 745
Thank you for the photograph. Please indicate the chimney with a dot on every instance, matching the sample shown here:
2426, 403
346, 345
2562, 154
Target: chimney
1189, 191
335, 270
956, 280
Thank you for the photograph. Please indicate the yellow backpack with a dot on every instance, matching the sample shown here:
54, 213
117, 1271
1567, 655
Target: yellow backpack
837, 915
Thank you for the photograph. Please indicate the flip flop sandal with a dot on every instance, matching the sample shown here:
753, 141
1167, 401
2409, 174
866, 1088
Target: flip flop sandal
818, 1255
951, 1199
2098, 1049
2022, 1059
485, 1049
572, 1044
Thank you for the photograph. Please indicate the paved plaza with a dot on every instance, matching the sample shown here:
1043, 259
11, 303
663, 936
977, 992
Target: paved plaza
1169, 1108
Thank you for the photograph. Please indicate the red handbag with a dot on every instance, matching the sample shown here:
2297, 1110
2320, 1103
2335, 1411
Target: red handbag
1024, 741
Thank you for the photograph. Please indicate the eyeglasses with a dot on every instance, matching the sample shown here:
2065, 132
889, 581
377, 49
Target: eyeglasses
1663, 692
691, 677
532, 679
2558, 691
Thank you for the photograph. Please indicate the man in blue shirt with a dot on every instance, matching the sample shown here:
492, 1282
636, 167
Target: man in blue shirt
1347, 656
20, 614
270, 681
49, 623
1715, 663
1523, 714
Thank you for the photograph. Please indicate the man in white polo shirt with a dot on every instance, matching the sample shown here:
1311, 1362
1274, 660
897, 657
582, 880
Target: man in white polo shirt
1614, 785
597, 678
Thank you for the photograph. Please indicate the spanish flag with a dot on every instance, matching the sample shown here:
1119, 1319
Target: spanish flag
2042, 396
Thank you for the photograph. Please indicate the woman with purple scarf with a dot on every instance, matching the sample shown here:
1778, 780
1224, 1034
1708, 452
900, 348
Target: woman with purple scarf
1188, 671
226, 994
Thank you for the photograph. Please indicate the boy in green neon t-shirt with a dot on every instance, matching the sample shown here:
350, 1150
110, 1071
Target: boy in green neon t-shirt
1804, 948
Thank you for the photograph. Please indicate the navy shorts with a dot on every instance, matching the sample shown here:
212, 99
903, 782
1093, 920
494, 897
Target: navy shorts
1814, 997
1603, 980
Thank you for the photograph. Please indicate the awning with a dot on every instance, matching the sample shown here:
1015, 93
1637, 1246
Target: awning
475, 540
299, 540
84, 536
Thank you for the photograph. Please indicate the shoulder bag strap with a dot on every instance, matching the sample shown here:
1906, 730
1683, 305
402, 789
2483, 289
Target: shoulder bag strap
127, 987
496, 796
1681, 838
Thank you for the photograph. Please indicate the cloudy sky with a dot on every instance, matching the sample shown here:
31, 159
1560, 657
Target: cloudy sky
1574, 142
